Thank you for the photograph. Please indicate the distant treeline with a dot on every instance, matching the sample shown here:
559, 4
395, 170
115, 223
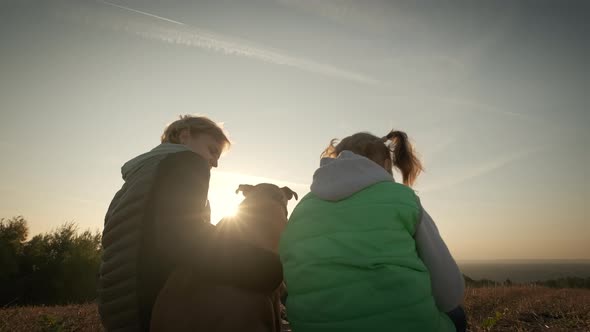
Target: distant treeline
61, 267
54, 268
567, 282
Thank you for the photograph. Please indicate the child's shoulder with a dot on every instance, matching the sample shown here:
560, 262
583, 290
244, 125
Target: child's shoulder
390, 187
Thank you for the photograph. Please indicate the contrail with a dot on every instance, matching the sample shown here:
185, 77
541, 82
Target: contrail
442, 144
195, 37
481, 107
480, 170
467, 105
140, 12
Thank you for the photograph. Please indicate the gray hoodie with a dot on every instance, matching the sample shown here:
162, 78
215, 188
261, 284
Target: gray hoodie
341, 177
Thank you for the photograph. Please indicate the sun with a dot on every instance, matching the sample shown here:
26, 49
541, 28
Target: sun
224, 203
231, 210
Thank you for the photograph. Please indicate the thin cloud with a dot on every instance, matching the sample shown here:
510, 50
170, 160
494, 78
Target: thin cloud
464, 105
386, 18
441, 145
480, 170
378, 17
175, 32
481, 107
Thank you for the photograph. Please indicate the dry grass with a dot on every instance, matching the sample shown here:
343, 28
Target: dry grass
520, 308
82, 317
488, 309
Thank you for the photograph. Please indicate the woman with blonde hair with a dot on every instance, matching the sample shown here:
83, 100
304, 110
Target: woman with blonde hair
159, 223
359, 251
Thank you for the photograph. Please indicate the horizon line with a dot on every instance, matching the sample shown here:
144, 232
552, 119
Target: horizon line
520, 260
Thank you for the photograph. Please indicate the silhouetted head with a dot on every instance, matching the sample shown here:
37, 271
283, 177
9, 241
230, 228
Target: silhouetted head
200, 134
267, 191
262, 215
393, 149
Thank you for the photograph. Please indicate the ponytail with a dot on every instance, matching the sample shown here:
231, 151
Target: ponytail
403, 156
399, 151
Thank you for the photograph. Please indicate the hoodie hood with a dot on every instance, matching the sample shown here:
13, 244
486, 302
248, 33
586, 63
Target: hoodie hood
341, 177
136, 163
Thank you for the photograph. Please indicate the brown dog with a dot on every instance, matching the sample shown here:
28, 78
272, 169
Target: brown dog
261, 217
185, 305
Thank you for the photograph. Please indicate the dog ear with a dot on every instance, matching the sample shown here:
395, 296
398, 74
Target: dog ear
245, 189
289, 193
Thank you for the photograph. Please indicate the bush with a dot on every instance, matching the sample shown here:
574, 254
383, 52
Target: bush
54, 268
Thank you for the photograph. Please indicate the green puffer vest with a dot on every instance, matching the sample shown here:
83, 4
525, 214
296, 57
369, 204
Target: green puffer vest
352, 264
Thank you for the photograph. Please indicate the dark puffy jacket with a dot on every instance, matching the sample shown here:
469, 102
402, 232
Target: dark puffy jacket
158, 221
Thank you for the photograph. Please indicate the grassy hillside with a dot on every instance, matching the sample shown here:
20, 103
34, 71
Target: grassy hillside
528, 309
489, 309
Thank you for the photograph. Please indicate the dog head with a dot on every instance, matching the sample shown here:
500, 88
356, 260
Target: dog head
265, 192
262, 215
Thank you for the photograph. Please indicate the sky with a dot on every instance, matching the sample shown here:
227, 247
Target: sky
494, 96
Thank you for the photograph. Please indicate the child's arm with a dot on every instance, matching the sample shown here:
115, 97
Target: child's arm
446, 278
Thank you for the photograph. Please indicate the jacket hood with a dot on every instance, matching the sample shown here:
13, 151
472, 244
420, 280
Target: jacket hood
341, 177
134, 164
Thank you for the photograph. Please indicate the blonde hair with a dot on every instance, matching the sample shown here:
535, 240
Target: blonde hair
196, 125
399, 150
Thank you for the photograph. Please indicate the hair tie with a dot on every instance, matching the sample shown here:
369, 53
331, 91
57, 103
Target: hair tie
388, 137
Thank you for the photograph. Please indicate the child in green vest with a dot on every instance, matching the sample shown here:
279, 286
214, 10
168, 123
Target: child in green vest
361, 254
